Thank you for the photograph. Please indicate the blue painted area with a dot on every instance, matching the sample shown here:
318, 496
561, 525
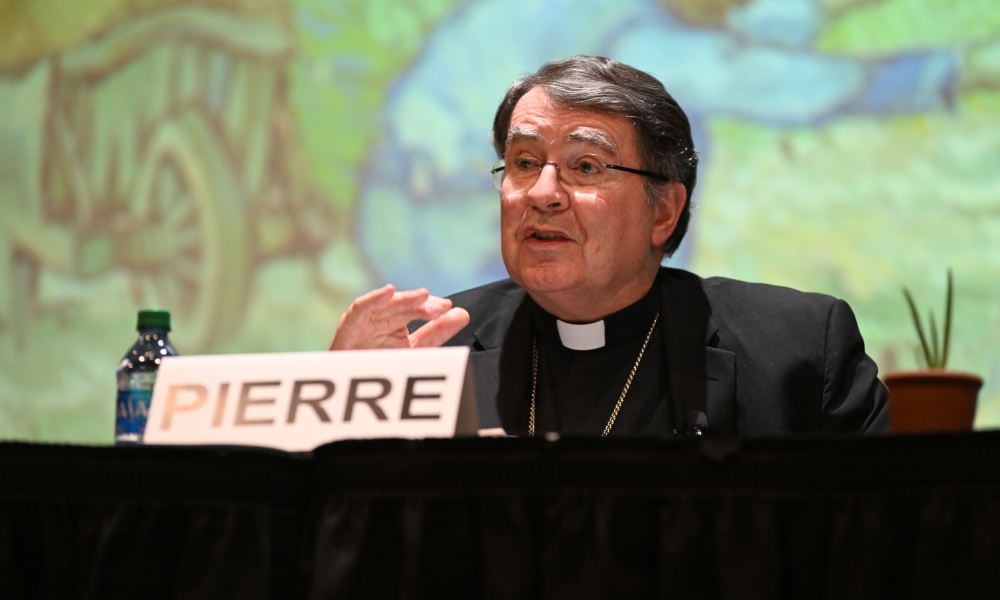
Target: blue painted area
428, 215
788, 23
908, 83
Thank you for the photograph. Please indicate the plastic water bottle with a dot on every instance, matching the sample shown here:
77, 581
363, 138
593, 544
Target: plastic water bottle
137, 373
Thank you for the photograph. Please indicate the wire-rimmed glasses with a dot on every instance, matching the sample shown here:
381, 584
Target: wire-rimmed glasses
581, 171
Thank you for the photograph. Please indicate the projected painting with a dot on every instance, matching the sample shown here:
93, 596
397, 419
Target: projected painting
252, 166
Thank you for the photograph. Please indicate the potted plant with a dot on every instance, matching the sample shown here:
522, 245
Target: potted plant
932, 399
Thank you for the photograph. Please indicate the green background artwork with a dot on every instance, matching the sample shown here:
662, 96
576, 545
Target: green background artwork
253, 166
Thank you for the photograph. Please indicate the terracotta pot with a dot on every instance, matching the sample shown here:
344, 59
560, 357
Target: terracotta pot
932, 400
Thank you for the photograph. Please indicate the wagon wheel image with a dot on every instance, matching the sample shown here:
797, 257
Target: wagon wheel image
187, 248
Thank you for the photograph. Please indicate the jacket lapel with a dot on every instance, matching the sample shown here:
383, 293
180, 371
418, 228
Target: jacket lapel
501, 367
485, 366
702, 377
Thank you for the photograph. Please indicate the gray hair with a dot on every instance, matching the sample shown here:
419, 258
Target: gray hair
663, 133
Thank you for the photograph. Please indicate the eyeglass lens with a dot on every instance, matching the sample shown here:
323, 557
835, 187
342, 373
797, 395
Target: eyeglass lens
583, 170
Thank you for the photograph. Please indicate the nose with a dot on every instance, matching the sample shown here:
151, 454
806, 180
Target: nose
548, 192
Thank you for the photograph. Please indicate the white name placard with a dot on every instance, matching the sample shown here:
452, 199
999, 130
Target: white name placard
299, 400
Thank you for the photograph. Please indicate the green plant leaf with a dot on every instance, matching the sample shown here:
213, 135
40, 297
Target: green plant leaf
947, 320
935, 359
916, 322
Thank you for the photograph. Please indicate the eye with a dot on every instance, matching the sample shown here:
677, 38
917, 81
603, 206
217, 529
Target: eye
588, 166
522, 163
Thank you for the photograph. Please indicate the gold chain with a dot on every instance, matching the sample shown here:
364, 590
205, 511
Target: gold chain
621, 399
534, 384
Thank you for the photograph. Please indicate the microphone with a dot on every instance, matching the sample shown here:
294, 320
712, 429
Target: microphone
697, 422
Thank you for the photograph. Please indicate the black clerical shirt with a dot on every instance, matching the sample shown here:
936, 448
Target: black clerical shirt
578, 389
802, 363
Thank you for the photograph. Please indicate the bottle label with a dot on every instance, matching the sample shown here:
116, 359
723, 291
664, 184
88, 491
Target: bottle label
133, 406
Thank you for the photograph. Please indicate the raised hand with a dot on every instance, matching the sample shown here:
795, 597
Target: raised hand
378, 320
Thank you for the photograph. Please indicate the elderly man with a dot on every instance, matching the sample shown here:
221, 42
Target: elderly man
590, 335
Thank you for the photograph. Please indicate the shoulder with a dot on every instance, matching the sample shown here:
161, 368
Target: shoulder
742, 296
758, 311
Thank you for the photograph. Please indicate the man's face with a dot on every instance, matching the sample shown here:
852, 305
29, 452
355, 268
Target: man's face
591, 243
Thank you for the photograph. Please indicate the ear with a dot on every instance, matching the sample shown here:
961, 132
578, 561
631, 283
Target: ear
667, 211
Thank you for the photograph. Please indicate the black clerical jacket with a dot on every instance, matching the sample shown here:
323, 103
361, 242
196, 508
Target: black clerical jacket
754, 359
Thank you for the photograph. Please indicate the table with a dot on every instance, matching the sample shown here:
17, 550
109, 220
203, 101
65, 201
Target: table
894, 517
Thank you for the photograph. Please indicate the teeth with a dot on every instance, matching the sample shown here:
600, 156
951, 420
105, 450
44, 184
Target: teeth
547, 236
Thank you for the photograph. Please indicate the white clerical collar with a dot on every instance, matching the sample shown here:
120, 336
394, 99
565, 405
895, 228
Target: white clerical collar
589, 336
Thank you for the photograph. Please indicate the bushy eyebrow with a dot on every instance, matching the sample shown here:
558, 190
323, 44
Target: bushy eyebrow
519, 134
594, 138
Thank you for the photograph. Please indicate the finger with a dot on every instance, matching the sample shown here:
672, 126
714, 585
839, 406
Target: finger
374, 297
405, 302
347, 335
371, 308
365, 324
401, 321
346, 339
424, 306
440, 330
430, 309
407, 306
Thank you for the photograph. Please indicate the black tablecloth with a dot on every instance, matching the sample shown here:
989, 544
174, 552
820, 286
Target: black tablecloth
901, 517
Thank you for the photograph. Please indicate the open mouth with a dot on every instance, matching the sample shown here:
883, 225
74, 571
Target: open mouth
530, 233
548, 235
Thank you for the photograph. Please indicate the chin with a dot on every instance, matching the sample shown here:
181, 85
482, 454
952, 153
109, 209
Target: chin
547, 279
